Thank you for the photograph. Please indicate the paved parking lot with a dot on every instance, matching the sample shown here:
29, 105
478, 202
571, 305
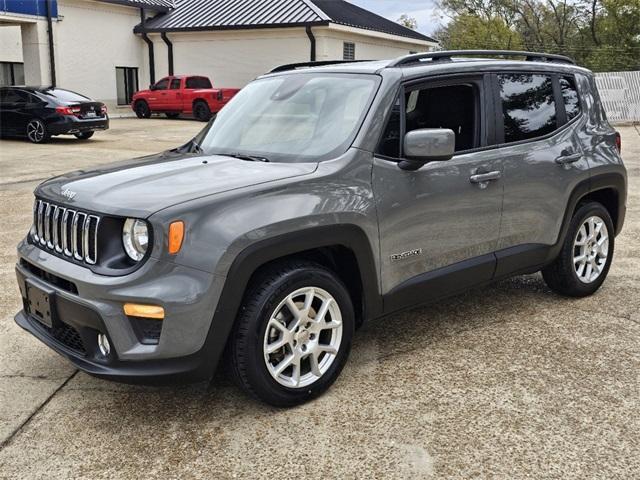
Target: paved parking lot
508, 381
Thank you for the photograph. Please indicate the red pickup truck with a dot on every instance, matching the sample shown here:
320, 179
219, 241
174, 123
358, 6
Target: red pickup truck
182, 94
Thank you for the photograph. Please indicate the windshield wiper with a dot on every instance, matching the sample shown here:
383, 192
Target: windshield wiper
195, 148
249, 158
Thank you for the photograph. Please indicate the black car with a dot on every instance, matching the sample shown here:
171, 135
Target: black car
38, 113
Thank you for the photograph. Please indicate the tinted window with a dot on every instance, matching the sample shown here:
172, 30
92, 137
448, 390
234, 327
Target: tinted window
175, 84
162, 84
13, 96
570, 97
528, 106
65, 95
198, 82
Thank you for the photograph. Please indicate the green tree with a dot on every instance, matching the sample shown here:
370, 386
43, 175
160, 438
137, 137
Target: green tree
407, 21
471, 32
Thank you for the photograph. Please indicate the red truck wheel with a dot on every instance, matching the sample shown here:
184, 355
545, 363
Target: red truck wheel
142, 109
201, 111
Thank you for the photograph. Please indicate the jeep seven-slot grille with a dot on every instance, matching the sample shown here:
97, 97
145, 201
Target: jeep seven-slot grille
66, 231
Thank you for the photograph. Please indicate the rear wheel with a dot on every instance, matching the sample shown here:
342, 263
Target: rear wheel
37, 131
83, 135
142, 109
585, 258
172, 114
201, 111
293, 335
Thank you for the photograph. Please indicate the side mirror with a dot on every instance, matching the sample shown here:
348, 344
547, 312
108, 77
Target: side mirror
427, 145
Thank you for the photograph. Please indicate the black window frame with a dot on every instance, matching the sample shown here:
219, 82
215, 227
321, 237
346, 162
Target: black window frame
129, 90
577, 90
484, 109
561, 114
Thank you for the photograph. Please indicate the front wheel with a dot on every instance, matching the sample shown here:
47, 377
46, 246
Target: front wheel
585, 258
142, 109
37, 131
83, 135
293, 335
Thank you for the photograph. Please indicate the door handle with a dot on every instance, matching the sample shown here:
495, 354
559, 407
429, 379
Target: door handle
484, 178
570, 158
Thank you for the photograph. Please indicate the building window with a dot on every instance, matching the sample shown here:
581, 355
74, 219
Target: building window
126, 84
11, 73
349, 51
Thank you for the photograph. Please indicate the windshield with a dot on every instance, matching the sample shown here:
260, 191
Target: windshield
297, 118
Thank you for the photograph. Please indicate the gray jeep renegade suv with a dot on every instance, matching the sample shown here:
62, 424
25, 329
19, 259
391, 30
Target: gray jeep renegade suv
322, 196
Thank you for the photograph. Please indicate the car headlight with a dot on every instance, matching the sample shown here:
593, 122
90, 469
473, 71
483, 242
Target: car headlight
135, 238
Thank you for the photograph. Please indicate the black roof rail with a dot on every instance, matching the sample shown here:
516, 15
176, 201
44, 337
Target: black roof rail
448, 54
294, 66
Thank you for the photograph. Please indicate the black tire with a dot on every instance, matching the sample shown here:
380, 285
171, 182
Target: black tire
142, 109
265, 294
561, 276
201, 111
172, 114
83, 135
37, 131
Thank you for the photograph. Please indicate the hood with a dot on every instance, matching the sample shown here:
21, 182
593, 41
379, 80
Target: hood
141, 187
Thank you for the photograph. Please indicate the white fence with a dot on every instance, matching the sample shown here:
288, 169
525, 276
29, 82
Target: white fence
620, 93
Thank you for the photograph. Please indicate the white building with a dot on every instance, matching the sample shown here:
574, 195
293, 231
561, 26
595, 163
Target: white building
107, 49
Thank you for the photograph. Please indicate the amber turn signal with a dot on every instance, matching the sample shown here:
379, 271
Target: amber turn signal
176, 235
144, 311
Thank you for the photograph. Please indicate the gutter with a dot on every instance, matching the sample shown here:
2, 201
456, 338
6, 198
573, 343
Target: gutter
312, 40
152, 59
169, 51
52, 59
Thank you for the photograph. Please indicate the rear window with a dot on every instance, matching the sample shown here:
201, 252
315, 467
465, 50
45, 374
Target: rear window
65, 95
198, 82
528, 106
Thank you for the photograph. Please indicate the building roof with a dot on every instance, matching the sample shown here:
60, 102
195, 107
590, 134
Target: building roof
202, 15
346, 13
157, 5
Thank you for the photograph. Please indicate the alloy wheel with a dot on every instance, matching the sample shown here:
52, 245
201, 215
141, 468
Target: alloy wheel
303, 337
591, 249
35, 131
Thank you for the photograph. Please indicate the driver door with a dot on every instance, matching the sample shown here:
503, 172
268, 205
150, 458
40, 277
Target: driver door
159, 97
439, 225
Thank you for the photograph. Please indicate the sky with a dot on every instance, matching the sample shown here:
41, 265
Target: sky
424, 11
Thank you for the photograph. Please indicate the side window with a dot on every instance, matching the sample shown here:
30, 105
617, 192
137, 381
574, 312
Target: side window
450, 106
162, 84
13, 96
455, 107
570, 97
528, 106
175, 84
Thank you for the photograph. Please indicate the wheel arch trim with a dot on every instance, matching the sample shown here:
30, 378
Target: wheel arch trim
249, 260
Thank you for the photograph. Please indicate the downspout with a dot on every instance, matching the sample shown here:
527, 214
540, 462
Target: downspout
169, 51
52, 59
312, 39
152, 58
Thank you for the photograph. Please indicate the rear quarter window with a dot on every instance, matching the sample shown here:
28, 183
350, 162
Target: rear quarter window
570, 97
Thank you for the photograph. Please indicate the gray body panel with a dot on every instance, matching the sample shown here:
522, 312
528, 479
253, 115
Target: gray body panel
230, 206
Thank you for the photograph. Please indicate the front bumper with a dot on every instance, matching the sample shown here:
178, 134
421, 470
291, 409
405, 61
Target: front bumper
87, 304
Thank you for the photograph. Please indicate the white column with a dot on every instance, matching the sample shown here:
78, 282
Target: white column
35, 51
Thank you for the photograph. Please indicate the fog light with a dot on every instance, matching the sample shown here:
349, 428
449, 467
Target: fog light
103, 344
